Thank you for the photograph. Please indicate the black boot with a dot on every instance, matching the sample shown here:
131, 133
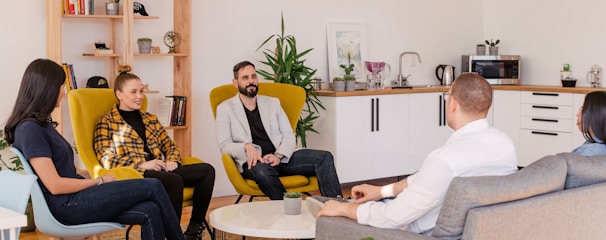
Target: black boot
194, 231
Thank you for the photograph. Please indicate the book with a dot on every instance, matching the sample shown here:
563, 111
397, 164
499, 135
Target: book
164, 111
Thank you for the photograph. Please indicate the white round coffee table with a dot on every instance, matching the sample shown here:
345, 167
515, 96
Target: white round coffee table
263, 219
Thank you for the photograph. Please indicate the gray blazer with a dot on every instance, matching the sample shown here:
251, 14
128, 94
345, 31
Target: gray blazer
233, 131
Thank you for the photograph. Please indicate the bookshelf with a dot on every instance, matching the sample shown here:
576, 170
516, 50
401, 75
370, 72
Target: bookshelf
122, 26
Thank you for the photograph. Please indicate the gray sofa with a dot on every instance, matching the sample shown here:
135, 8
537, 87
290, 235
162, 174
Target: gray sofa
557, 197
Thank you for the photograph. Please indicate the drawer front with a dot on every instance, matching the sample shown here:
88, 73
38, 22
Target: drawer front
547, 124
547, 111
548, 98
534, 146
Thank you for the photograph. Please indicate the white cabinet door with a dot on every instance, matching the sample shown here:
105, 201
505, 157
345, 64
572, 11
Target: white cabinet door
428, 128
391, 138
366, 134
506, 115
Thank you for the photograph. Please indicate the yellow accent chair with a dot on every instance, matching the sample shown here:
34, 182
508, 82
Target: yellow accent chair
86, 106
292, 99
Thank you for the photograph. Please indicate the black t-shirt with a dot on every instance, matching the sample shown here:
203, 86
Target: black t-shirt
134, 119
259, 136
34, 141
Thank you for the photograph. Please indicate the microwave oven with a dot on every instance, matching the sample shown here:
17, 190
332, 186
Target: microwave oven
499, 69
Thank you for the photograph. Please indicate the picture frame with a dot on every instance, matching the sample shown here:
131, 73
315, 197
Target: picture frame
346, 44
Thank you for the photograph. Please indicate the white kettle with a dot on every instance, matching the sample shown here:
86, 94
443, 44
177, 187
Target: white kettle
445, 73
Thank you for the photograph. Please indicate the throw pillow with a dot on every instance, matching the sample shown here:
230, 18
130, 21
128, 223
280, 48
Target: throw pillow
584, 170
464, 193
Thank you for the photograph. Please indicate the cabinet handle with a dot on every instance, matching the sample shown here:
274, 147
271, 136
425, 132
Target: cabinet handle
377, 114
372, 115
545, 94
440, 110
544, 120
544, 133
545, 107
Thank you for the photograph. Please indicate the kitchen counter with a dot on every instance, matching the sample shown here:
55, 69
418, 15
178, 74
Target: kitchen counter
583, 90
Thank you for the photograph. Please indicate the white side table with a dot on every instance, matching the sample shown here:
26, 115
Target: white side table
11, 220
263, 219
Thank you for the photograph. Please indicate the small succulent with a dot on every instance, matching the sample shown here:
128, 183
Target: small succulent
492, 43
481, 44
348, 69
293, 194
338, 79
144, 40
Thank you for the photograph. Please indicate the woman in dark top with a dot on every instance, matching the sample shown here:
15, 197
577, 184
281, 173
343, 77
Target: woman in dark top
71, 198
129, 137
591, 120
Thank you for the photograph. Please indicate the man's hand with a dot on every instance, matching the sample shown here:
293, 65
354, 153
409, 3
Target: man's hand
253, 155
364, 193
155, 165
334, 208
271, 159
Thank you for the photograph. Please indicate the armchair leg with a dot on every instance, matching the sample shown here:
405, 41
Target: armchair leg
238, 200
128, 231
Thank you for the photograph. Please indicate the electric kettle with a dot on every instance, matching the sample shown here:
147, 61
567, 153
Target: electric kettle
445, 73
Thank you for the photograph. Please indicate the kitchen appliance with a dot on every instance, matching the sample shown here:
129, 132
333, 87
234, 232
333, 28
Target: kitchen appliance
376, 73
500, 69
593, 76
445, 73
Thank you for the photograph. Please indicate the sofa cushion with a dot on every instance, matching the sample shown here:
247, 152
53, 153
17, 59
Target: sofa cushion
583, 170
543, 176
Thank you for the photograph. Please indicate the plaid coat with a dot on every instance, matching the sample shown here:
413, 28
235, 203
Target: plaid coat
117, 144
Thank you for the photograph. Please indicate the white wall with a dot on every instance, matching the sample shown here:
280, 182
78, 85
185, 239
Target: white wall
546, 34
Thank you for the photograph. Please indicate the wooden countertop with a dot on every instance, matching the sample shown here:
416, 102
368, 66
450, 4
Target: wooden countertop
584, 90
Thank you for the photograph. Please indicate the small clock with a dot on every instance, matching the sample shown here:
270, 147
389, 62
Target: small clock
172, 40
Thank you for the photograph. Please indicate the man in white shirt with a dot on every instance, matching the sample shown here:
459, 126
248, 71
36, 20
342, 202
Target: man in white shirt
474, 149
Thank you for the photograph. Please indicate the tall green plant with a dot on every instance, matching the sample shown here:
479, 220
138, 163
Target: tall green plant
288, 66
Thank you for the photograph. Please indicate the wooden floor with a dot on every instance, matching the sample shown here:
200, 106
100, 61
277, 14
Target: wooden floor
220, 202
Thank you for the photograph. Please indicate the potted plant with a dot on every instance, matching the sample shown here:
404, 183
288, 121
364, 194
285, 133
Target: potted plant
14, 164
350, 79
112, 7
493, 49
481, 49
144, 45
288, 66
292, 203
338, 84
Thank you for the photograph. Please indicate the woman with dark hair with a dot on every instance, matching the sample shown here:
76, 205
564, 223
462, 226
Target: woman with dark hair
591, 120
129, 137
71, 198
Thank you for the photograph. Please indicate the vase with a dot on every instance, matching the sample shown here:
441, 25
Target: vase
350, 85
292, 206
493, 51
481, 50
144, 46
338, 86
112, 8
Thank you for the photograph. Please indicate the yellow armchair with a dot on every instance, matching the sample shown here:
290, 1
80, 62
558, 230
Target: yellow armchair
86, 106
292, 99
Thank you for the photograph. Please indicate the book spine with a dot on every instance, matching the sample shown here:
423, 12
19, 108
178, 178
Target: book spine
67, 88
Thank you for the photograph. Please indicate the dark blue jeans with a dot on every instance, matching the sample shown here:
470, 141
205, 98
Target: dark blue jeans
137, 201
306, 162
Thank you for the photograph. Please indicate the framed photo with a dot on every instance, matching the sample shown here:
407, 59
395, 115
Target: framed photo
346, 45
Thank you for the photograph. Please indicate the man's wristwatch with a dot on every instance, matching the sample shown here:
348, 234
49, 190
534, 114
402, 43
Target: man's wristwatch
100, 181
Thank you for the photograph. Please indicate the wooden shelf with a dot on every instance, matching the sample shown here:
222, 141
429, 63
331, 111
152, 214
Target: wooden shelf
122, 33
102, 16
101, 55
162, 54
176, 127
